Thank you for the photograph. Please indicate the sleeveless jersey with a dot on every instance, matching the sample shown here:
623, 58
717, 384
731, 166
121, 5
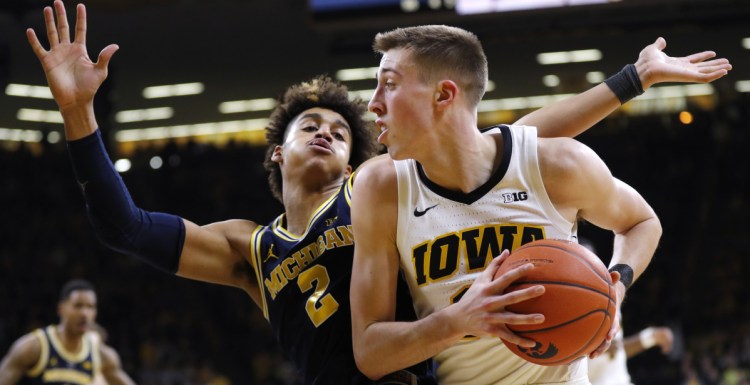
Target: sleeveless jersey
305, 281
58, 366
447, 238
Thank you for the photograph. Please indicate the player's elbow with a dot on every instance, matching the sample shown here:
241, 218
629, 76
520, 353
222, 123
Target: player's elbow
368, 369
366, 361
652, 226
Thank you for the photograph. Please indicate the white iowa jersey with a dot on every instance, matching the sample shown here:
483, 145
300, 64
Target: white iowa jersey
447, 238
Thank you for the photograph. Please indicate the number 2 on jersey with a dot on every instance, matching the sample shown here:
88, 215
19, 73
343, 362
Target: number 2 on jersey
319, 306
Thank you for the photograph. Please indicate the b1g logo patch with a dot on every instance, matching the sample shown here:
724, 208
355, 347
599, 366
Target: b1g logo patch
515, 197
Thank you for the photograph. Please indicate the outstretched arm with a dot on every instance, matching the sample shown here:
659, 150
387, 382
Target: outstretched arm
574, 115
210, 253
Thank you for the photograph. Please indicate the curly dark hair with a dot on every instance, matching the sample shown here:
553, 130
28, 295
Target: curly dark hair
322, 92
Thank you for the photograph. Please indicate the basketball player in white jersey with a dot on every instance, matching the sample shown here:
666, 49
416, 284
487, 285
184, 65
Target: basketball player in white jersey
450, 198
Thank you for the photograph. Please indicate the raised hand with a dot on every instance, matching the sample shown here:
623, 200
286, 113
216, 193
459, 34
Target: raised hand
72, 77
654, 66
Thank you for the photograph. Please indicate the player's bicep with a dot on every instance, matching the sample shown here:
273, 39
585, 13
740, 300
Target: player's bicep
375, 255
604, 200
210, 255
619, 207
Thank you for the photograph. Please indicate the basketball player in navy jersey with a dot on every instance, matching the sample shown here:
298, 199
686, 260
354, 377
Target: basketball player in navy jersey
298, 267
450, 197
67, 353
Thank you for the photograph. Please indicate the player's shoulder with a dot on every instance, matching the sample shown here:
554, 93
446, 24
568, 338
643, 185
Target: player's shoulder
562, 153
27, 349
375, 171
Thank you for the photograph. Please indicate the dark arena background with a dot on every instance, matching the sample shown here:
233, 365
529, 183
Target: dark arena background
195, 148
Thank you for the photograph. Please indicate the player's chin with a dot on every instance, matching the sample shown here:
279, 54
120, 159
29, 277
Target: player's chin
395, 153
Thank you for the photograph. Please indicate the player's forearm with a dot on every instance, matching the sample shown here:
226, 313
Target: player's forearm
636, 246
79, 121
632, 345
574, 115
386, 347
155, 237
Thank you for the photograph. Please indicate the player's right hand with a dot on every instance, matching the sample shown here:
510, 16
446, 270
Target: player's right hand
72, 77
481, 311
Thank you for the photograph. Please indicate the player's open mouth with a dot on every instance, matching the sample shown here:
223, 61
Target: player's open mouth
381, 125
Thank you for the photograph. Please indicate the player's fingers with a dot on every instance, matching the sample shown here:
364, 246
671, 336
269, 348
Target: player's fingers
80, 24
63, 29
615, 276
491, 269
511, 275
700, 56
660, 43
714, 65
36, 46
49, 22
515, 339
503, 256
520, 295
508, 318
601, 349
707, 78
106, 55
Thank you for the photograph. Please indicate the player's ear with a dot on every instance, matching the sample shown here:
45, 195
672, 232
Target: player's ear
446, 92
277, 155
348, 170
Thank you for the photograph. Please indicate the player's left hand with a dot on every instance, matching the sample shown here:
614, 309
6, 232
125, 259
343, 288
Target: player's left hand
620, 293
655, 66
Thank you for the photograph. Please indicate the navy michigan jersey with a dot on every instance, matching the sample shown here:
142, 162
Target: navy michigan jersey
305, 282
58, 366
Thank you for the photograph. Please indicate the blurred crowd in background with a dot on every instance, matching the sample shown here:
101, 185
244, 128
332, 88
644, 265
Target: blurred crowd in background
169, 330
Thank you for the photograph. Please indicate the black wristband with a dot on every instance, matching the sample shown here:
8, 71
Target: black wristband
626, 84
626, 273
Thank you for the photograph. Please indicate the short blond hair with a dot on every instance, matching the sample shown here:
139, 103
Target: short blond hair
442, 49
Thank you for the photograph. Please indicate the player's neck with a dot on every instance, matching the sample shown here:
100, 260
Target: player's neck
72, 342
464, 165
301, 201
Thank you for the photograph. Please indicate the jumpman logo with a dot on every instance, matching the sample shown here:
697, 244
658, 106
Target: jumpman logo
270, 254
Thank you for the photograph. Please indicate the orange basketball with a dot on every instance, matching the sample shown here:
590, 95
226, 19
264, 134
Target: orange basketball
578, 303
